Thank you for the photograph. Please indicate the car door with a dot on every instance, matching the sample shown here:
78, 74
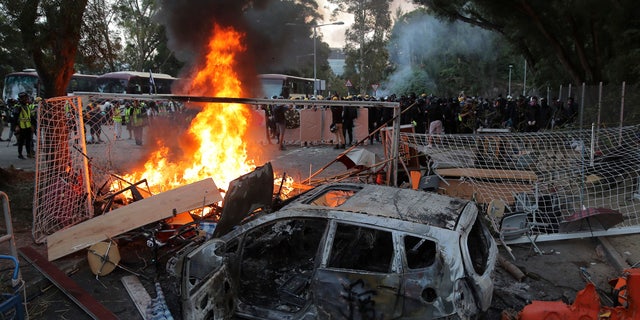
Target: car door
207, 287
358, 277
479, 253
427, 287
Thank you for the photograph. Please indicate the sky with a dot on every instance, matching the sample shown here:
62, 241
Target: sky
334, 35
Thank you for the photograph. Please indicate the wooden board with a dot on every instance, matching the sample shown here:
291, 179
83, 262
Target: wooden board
488, 173
138, 293
69, 287
484, 191
131, 216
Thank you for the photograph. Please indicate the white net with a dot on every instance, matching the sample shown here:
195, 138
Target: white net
62, 187
554, 177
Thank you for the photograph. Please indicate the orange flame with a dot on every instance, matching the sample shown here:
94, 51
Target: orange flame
217, 131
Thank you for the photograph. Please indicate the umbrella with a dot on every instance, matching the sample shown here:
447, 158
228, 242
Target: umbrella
590, 219
358, 158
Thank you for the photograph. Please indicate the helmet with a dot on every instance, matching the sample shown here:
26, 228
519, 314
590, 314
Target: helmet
22, 95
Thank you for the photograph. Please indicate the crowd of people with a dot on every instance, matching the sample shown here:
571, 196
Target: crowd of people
462, 114
21, 116
427, 114
131, 115
437, 115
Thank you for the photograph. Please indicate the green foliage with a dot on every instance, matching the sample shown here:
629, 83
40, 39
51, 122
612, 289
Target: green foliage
50, 33
444, 58
142, 33
100, 45
365, 48
13, 56
562, 41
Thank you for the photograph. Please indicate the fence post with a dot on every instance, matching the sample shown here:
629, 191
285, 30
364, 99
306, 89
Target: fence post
621, 113
582, 105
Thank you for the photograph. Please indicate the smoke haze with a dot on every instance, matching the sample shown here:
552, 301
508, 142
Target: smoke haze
423, 38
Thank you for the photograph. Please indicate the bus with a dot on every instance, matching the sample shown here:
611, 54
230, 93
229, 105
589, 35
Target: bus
289, 87
134, 82
29, 82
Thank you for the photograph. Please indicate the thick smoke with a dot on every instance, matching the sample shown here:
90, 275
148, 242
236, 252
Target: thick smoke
424, 38
271, 44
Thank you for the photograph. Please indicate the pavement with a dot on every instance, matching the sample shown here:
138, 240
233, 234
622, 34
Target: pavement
559, 273
9, 156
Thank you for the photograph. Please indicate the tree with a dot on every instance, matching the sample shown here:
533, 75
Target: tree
142, 34
590, 40
100, 45
13, 56
50, 33
441, 57
365, 47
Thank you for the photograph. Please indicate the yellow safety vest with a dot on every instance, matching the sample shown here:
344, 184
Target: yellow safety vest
117, 117
24, 118
136, 120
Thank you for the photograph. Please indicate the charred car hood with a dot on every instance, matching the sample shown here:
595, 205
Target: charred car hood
247, 195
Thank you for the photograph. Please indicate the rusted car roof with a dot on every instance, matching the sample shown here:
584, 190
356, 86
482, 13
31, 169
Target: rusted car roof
383, 201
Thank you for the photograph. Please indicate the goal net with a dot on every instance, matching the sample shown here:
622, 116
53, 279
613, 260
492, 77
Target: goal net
564, 180
62, 187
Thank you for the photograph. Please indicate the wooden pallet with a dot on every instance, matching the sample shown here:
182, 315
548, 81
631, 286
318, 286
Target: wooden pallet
132, 216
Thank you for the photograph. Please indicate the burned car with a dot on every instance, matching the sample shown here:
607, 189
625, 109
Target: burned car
340, 250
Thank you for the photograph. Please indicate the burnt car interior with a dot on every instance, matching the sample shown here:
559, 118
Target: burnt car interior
420, 252
361, 248
277, 263
479, 245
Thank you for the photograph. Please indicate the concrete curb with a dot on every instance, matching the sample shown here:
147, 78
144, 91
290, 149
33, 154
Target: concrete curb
613, 255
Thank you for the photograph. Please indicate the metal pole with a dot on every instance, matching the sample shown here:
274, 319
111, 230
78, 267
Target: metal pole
560, 93
524, 82
582, 106
315, 87
599, 105
510, 68
621, 113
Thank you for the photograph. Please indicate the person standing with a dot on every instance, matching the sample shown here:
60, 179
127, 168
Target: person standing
373, 120
24, 127
336, 119
348, 117
97, 120
280, 120
127, 118
117, 117
269, 123
436, 118
3, 107
532, 115
11, 106
137, 118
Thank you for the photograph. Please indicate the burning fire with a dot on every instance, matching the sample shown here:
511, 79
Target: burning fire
216, 146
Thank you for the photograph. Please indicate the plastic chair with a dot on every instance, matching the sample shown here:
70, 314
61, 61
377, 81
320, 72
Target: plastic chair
517, 225
11, 303
495, 212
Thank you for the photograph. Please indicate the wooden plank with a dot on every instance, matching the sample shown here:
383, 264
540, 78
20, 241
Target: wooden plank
69, 287
488, 173
131, 216
484, 191
138, 293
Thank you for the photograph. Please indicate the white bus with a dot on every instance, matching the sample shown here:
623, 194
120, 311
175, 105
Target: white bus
289, 87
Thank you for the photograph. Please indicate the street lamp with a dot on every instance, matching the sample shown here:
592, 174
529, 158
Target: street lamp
510, 67
315, 34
